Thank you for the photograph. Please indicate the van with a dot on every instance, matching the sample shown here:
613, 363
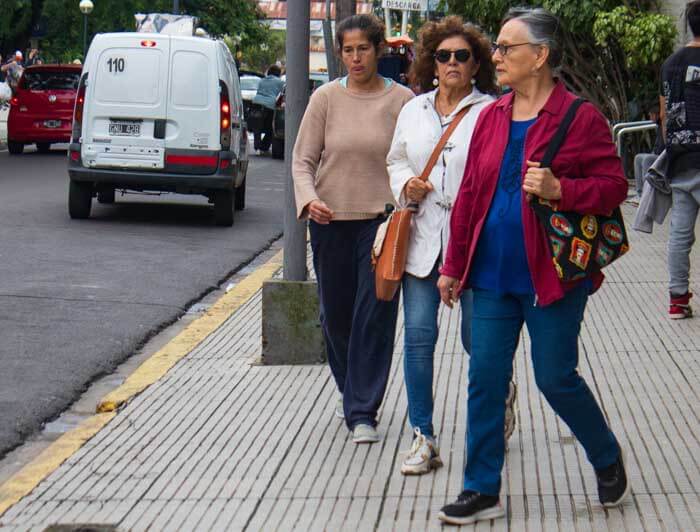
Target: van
161, 113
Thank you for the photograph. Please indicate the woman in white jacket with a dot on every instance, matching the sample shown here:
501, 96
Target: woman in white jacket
454, 59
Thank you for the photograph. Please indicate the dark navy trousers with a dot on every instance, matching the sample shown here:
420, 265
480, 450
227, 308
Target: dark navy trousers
359, 329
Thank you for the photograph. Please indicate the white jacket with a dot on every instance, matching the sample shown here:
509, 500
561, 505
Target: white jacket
418, 130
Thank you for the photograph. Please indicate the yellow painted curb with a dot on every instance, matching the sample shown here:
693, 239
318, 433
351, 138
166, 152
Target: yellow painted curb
158, 364
25, 480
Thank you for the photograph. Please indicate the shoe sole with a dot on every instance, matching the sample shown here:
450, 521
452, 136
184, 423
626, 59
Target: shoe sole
435, 463
365, 439
679, 316
628, 489
489, 513
338, 414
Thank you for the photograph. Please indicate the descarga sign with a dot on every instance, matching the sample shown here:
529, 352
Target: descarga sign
406, 5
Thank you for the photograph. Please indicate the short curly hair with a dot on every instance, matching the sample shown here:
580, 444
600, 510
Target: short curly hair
430, 37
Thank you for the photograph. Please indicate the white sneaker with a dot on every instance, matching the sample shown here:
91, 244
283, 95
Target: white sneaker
509, 425
364, 434
339, 412
423, 457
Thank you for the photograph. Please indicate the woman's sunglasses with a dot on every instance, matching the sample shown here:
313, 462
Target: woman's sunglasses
444, 56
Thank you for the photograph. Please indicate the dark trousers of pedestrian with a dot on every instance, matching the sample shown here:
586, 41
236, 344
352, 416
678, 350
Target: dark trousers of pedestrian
358, 329
554, 329
262, 136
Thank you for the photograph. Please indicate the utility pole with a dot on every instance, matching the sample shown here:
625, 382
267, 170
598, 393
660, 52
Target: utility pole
296, 99
176, 7
329, 43
344, 9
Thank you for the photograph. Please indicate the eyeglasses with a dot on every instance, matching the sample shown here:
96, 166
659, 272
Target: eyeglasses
503, 48
444, 56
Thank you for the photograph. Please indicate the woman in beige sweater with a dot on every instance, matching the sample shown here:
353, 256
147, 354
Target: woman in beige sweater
342, 187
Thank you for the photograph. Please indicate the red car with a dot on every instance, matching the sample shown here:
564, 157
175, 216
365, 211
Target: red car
41, 110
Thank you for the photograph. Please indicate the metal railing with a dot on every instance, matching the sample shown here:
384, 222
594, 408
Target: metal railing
625, 128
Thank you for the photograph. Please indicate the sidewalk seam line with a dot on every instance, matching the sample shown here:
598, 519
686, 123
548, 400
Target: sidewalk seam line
151, 370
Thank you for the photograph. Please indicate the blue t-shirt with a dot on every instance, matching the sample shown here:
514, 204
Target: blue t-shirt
500, 262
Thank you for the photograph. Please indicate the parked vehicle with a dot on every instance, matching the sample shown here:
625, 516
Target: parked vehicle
41, 110
158, 112
316, 79
249, 87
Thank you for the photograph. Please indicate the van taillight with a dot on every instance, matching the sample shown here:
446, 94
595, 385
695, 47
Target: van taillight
225, 116
78, 113
14, 100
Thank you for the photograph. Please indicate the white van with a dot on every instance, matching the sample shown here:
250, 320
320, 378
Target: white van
157, 112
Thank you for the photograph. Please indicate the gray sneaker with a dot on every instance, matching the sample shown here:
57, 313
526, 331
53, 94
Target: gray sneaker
423, 457
364, 434
339, 412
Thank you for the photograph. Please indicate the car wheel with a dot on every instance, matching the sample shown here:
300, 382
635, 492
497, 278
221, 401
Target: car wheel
239, 202
278, 148
105, 196
79, 199
43, 147
15, 148
223, 207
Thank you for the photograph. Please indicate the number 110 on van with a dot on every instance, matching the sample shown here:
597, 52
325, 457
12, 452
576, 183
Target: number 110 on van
115, 65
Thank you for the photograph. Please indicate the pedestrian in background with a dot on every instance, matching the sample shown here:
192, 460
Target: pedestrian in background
266, 97
33, 58
499, 249
680, 118
454, 70
13, 70
341, 184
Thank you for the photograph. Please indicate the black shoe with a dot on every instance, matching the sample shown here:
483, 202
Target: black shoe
613, 487
470, 507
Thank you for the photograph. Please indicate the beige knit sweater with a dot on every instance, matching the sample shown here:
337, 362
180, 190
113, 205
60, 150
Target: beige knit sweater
340, 152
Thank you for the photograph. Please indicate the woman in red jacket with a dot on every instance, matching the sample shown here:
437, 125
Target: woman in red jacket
499, 249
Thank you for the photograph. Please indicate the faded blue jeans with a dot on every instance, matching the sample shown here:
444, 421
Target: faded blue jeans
685, 188
554, 329
421, 301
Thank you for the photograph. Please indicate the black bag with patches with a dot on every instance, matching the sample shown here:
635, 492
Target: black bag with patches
581, 244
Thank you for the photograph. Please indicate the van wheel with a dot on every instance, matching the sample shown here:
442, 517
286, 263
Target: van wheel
223, 207
43, 147
239, 202
15, 148
105, 196
278, 148
79, 199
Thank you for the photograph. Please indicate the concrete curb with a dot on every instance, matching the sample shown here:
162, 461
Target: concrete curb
24, 481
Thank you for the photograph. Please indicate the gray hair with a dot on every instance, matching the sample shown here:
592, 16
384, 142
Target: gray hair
544, 29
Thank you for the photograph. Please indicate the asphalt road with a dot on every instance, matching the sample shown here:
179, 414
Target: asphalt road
77, 297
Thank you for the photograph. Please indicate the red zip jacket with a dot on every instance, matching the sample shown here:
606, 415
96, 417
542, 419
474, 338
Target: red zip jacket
587, 165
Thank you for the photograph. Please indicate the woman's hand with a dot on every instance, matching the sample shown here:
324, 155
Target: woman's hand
541, 182
417, 189
319, 212
449, 289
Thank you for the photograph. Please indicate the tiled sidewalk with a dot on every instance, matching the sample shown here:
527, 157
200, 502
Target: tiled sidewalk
220, 444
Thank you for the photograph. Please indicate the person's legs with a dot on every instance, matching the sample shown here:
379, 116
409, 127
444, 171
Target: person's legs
684, 213
333, 259
266, 141
421, 300
554, 331
642, 163
496, 324
466, 301
372, 337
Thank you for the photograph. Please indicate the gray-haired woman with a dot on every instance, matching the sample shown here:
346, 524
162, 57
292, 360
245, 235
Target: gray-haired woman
499, 249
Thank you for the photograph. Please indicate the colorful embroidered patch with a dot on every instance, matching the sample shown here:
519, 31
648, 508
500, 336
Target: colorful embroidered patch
551, 204
557, 245
577, 276
580, 253
603, 255
561, 225
612, 232
589, 226
624, 248
560, 272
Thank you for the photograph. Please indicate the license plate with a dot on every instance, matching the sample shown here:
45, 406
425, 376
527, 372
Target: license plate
125, 129
52, 123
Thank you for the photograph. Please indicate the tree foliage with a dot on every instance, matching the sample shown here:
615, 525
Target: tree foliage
64, 21
612, 53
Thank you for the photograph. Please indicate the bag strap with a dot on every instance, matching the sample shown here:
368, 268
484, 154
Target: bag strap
560, 134
441, 143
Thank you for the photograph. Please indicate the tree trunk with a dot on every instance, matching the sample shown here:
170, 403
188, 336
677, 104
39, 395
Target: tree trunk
344, 9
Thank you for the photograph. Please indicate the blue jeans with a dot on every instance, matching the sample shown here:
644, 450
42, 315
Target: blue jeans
554, 329
421, 301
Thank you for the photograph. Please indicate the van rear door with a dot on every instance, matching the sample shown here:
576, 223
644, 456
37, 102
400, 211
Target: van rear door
127, 95
193, 141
